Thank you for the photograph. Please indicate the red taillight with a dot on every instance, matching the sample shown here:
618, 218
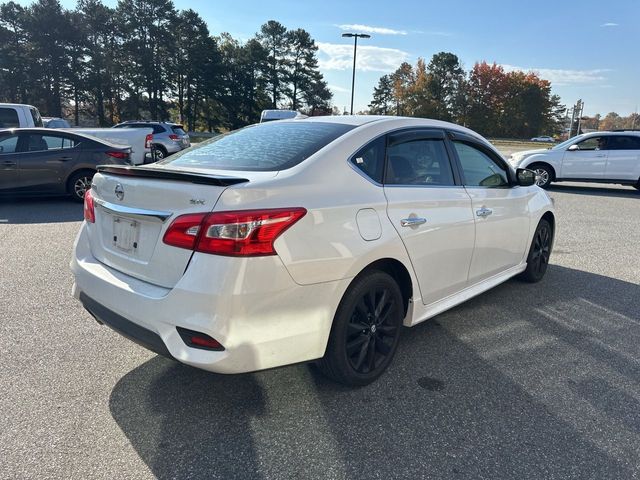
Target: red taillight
242, 233
183, 231
199, 340
174, 137
148, 141
120, 155
89, 210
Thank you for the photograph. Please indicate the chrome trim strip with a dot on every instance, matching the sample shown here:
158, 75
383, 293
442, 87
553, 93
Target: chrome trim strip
154, 215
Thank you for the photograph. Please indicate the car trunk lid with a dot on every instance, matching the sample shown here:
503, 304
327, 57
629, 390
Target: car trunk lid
133, 208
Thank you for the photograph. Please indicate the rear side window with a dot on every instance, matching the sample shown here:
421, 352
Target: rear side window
370, 160
40, 143
9, 118
624, 143
178, 130
264, 147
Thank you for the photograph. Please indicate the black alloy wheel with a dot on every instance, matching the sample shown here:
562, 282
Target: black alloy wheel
366, 330
539, 253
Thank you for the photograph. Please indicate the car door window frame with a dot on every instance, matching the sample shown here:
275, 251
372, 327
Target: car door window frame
493, 156
416, 134
17, 144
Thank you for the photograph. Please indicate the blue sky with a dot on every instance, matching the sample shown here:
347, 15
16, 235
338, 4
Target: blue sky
588, 49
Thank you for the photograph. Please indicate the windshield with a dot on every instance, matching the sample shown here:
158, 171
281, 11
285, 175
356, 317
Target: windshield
265, 147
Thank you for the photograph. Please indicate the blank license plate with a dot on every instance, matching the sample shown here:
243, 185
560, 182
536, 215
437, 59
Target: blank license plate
125, 234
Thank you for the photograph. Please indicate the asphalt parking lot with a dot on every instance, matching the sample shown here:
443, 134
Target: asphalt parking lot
525, 381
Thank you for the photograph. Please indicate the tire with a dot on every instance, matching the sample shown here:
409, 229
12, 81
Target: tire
79, 183
544, 174
539, 253
160, 153
366, 330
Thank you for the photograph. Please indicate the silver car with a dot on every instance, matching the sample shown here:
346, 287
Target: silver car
168, 138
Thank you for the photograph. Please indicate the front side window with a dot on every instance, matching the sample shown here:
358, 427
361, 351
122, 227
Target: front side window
423, 161
478, 168
9, 118
264, 147
8, 143
593, 143
370, 160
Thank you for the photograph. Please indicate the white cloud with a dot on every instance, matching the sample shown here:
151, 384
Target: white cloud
369, 29
334, 56
561, 77
336, 88
609, 24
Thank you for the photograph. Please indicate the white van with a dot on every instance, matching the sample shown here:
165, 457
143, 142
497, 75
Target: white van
270, 115
17, 115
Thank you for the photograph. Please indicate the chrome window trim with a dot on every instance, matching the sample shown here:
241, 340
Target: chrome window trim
142, 214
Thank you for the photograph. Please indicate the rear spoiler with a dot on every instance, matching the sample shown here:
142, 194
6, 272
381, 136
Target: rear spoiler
176, 175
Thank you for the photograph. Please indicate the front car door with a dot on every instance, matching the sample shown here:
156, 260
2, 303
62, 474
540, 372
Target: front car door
623, 162
430, 210
588, 161
45, 161
500, 209
8, 161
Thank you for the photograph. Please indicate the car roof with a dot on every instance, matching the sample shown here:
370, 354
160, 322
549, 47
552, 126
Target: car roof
16, 105
153, 122
358, 120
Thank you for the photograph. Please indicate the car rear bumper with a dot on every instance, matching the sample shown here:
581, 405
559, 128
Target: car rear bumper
251, 306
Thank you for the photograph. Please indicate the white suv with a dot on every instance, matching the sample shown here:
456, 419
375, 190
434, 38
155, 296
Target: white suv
308, 239
604, 157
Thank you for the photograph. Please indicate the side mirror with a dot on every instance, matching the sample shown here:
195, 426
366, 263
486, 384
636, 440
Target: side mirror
526, 177
573, 148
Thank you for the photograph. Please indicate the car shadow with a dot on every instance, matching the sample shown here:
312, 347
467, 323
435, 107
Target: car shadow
524, 381
39, 210
595, 190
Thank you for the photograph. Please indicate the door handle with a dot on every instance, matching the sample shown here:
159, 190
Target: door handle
9, 163
601, 156
484, 212
412, 221
65, 159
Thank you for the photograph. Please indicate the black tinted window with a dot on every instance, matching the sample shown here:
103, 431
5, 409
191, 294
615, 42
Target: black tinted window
479, 168
624, 143
178, 130
419, 162
40, 143
264, 147
9, 118
370, 159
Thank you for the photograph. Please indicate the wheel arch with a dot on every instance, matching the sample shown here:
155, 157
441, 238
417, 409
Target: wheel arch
532, 165
398, 271
75, 172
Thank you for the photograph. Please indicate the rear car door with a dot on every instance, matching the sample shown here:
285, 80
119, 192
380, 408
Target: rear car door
589, 161
500, 210
623, 161
8, 161
430, 210
45, 161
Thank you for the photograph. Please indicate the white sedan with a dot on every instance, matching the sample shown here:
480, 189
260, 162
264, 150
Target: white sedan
302, 240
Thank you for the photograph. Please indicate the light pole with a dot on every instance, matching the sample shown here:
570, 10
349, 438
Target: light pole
355, 47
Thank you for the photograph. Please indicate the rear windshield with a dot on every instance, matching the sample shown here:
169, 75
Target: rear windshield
265, 147
178, 130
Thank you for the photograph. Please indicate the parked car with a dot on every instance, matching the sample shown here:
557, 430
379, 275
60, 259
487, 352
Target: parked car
545, 139
271, 115
55, 122
17, 115
168, 138
40, 161
309, 239
604, 157
140, 140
